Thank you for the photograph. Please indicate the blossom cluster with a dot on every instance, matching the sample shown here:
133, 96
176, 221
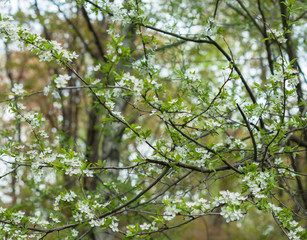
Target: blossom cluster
61, 80
277, 35
124, 13
65, 197
230, 203
132, 230
12, 219
295, 232
232, 214
257, 182
46, 50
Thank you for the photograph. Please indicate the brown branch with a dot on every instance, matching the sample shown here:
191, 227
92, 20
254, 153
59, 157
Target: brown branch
266, 42
299, 141
204, 146
290, 49
76, 30
250, 133
195, 168
138, 195
250, 17
92, 30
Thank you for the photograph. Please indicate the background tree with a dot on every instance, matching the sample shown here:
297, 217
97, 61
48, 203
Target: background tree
170, 112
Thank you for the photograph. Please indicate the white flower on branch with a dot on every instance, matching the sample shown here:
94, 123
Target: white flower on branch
170, 212
231, 214
18, 88
62, 80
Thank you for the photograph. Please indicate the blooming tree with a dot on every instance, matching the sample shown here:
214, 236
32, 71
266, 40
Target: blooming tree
140, 117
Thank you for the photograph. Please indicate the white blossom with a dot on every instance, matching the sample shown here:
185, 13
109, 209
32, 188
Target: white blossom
145, 226
170, 212
62, 80
74, 233
231, 214
114, 225
18, 88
